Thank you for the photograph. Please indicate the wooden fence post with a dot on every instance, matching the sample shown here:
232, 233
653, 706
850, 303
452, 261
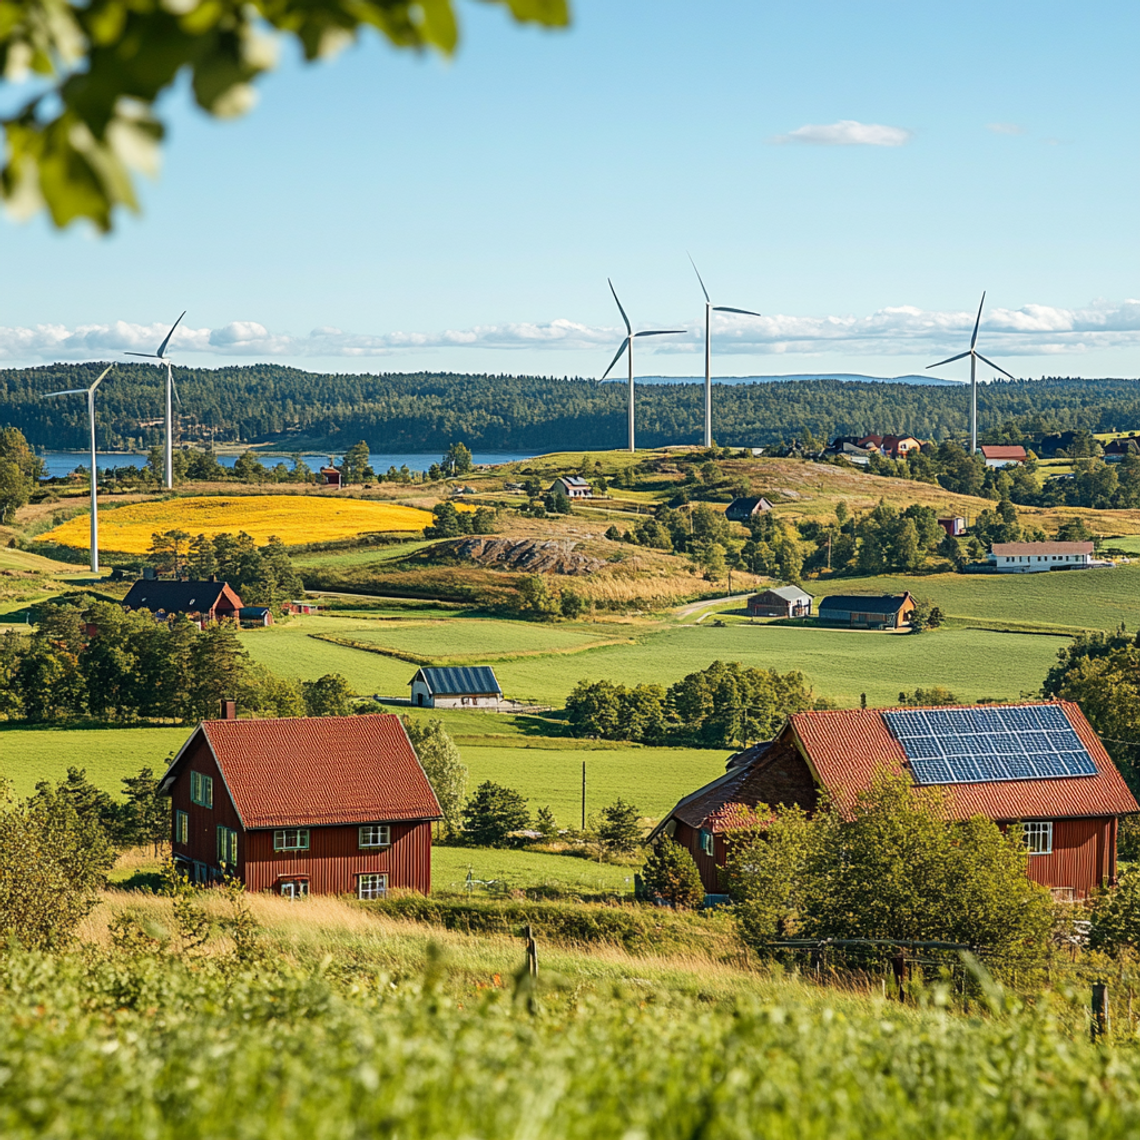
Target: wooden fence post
898, 968
1100, 1018
531, 953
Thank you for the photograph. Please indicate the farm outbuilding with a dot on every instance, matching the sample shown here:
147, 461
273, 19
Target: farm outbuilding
331, 476
1034, 557
953, 525
255, 615
572, 486
1003, 455
455, 687
304, 805
780, 602
1037, 765
205, 601
741, 510
867, 611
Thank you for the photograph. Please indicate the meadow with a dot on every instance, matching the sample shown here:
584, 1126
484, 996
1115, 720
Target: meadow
294, 519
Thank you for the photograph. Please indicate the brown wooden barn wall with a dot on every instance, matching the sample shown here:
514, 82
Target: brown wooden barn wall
204, 822
334, 859
1083, 858
707, 865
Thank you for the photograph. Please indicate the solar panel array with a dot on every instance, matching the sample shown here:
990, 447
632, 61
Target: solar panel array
980, 745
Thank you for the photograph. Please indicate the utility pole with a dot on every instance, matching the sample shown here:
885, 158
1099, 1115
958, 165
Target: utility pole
583, 795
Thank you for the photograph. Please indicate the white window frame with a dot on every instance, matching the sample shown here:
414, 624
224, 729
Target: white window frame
201, 789
293, 889
181, 827
372, 885
1038, 836
374, 835
291, 839
708, 843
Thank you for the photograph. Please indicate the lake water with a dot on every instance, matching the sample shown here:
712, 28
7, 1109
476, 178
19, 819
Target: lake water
60, 463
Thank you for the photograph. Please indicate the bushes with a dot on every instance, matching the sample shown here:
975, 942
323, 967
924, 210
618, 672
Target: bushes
670, 873
492, 813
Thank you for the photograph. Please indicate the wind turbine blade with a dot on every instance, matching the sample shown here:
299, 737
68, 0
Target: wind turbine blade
949, 360
66, 392
102, 376
726, 309
628, 326
148, 355
974, 339
660, 332
162, 347
624, 346
698, 273
993, 365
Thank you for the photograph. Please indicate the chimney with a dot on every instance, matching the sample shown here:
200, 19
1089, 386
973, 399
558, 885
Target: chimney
229, 710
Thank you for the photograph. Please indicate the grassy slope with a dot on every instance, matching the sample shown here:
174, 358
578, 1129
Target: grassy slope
28, 755
522, 869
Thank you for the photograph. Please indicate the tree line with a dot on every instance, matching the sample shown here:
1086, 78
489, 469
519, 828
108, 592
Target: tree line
426, 411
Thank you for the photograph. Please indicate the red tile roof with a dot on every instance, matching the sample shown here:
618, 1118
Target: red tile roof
846, 747
313, 771
1002, 451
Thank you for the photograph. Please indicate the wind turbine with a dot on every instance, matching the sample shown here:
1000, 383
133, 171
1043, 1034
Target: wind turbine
974, 356
160, 355
630, 336
710, 308
90, 394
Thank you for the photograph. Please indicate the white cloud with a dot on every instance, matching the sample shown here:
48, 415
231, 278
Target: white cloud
903, 330
1006, 128
847, 132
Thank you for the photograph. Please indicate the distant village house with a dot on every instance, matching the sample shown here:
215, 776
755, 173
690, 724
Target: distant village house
780, 602
1034, 557
891, 446
741, 510
953, 525
204, 601
1003, 455
456, 687
866, 611
572, 486
305, 805
331, 476
1014, 764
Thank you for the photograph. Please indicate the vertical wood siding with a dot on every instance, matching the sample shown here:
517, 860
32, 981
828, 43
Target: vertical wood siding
202, 845
708, 866
334, 859
1083, 856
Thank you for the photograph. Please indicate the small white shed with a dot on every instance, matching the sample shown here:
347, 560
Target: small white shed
456, 687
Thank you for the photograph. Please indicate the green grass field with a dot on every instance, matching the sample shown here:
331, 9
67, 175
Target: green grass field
484, 637
28, 755
521, 869
1080, 599
356, 555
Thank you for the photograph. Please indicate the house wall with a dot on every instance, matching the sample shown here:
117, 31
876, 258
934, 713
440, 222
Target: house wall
1035, 563
707, 865
468, 702
1083, 858
421, 695
334, 859
202, 844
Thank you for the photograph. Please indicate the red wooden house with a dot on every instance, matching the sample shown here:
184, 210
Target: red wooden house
304, 805
1040, 765
205, 601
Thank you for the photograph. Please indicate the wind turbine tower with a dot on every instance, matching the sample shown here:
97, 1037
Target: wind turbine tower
90, 394
160, 355
630, 336
710, 308
974, 356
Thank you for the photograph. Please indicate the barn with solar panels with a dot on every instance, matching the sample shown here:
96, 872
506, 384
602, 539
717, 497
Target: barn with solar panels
456, 687
1039, 765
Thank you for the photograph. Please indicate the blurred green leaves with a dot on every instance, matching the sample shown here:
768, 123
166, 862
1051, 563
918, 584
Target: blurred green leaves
94, 71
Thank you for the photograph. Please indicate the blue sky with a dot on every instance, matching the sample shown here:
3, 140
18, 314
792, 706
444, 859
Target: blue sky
856, 172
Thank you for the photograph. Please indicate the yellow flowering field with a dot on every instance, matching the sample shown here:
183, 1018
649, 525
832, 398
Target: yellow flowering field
295, 519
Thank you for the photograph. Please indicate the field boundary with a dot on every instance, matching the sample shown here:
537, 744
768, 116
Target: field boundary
476, 658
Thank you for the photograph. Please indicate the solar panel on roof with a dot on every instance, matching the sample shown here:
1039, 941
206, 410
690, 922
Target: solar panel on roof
974, 746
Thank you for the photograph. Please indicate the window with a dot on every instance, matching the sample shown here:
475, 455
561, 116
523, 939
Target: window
708, 843
376, 835
201, 789
371, 886
227, 847
291, 839
1038, 835
294, 888
181, 827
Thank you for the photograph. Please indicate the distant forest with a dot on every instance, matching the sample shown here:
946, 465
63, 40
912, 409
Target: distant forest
415, 412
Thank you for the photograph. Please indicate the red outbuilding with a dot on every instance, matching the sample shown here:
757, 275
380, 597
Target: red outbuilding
1040, 765
303, 805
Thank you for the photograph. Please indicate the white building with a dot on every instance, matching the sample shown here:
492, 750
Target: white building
1031, 557
573, 487
1003, 455
456, 687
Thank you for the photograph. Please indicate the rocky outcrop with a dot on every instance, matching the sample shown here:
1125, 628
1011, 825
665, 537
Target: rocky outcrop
524, 554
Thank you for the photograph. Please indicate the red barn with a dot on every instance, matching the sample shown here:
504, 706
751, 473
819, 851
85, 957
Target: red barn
304, 805
1040, 765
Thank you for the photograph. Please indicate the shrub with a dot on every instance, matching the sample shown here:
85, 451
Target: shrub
671, 874
492, 813
620, 829
1116, 915
443, 766
330, 695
